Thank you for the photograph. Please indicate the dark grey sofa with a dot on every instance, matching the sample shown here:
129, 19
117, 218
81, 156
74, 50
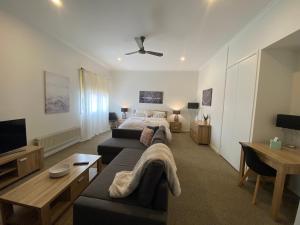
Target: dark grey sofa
126, 138
121, 138
146, 206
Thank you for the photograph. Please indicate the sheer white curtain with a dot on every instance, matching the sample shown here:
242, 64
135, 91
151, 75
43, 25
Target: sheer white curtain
94, 104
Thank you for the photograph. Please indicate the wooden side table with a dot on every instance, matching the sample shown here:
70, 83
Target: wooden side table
200, 132
175, 127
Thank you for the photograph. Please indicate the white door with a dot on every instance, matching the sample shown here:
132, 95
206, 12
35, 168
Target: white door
244, 106
238, 109
229, 112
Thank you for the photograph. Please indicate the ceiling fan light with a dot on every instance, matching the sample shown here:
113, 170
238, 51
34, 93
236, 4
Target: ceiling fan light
57, 3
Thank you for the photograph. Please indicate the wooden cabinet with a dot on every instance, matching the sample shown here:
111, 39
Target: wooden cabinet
43, 200
200, 132
175, 127
16, 165
79, 185
28, 164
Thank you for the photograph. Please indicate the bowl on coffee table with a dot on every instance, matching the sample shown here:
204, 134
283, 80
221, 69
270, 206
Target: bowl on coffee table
59, 170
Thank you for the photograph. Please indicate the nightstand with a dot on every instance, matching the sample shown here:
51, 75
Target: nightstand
175, 127
200, 132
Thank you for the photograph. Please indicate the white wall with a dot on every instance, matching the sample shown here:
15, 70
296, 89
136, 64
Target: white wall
278, 21
274, 92
281, 19
295, 105
25, 53
212, 75
293, 136
179, 88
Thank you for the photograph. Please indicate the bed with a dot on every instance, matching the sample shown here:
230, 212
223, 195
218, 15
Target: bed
140, 120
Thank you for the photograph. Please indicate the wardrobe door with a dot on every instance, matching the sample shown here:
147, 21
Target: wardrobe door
246, 84
229, 113
238, 109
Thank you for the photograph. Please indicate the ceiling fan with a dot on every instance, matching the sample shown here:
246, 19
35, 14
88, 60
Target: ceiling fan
140, 43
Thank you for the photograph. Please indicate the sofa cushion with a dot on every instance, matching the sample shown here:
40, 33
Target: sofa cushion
146, 136
110, 148
160, 136
99, 187
123, 143
128, 157
149, 182
153, 128
126, 133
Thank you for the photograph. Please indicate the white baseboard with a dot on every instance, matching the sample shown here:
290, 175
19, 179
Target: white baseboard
214, 148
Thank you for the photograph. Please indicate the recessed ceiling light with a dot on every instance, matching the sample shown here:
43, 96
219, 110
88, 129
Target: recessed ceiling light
119, 59
182, 58
57, 3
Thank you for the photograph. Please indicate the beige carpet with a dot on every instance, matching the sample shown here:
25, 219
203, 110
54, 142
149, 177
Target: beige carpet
210, 195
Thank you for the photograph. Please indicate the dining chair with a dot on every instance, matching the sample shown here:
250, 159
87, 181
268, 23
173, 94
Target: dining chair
256, 167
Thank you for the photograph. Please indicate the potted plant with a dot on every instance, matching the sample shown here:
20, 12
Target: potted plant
205, 118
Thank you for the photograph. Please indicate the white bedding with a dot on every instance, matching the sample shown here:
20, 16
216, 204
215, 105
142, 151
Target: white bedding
140, 123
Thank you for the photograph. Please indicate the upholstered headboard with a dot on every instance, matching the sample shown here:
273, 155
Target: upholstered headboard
150, 111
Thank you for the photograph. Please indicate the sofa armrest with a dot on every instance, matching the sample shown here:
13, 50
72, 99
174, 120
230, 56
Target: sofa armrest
97, 211
126, 133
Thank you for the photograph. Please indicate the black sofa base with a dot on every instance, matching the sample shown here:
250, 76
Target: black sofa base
90, 211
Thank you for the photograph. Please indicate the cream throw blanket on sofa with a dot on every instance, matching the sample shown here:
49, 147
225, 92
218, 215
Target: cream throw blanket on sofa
125, 182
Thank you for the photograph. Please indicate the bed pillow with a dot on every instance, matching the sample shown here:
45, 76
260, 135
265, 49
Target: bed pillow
140, 114
159, 114
149, 113
146, 136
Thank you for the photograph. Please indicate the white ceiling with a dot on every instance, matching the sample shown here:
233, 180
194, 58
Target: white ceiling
105, 29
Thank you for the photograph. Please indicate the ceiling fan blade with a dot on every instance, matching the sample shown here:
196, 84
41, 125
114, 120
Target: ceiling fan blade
140, 41
130, 53
155, 53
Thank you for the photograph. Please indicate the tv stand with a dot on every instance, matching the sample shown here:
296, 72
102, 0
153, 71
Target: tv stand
19, 164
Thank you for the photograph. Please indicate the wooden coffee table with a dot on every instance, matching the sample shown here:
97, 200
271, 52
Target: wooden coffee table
42, 200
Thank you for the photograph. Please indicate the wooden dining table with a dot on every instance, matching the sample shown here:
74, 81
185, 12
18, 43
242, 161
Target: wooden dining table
285, 161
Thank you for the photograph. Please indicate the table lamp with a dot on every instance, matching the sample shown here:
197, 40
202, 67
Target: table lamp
176, 113
124, 111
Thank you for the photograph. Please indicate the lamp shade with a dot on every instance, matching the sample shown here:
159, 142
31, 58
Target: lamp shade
176, 112
193, 105
124, 109
113, 116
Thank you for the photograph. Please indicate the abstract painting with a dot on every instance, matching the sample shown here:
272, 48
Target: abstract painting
207, 97
57, 97
154, 97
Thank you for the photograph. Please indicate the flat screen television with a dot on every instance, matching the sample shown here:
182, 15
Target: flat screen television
12, 135
288, 121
